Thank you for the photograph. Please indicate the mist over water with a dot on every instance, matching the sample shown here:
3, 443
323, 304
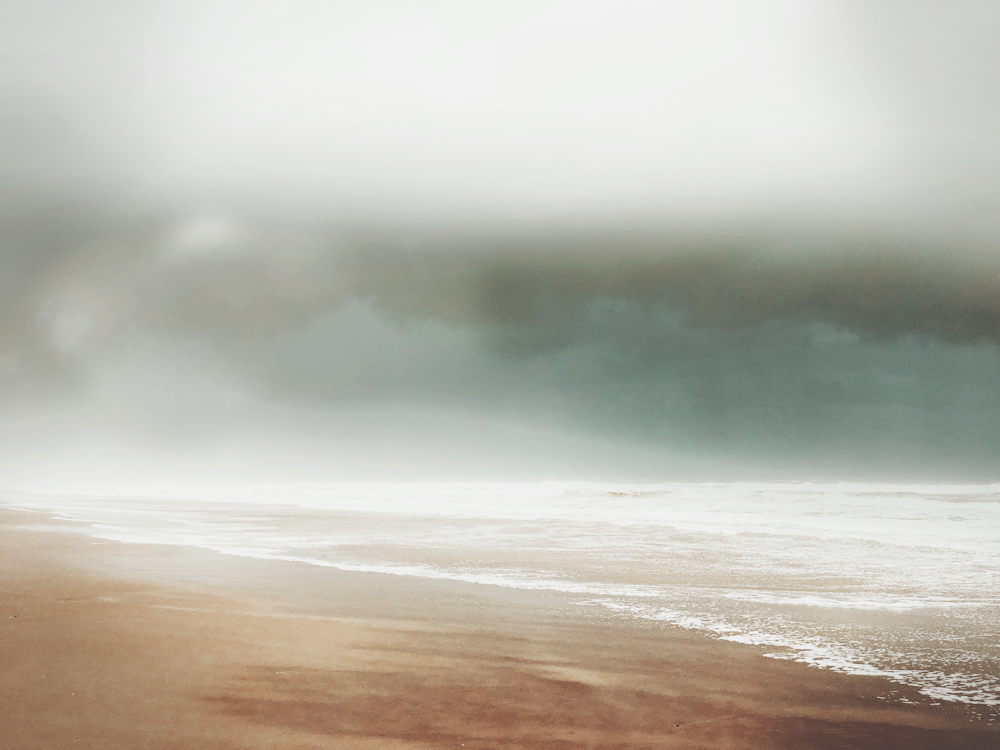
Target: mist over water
646, 241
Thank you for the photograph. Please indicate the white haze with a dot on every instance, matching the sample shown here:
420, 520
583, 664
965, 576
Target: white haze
523, 239
508, 109
514, 107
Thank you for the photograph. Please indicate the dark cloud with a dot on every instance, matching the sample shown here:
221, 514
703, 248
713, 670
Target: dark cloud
534, 291
245, 282
789, 349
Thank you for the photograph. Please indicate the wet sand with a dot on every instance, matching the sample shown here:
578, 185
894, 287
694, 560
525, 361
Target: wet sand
135, 646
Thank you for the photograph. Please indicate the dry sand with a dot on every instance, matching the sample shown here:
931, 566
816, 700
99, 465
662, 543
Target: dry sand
127, 646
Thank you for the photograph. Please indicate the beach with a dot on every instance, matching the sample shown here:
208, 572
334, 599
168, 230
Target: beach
499, 376
112, 645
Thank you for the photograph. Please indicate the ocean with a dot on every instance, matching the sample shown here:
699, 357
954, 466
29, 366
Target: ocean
869, 579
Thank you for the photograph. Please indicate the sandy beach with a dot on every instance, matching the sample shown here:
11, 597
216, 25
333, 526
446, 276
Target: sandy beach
108, 645
499, 375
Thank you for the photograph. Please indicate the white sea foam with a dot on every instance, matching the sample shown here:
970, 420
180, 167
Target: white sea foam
894, 604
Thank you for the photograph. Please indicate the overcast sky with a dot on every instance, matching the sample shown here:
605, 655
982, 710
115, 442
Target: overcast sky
639, 240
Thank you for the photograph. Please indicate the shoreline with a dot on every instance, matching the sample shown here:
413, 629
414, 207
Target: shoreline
179, 647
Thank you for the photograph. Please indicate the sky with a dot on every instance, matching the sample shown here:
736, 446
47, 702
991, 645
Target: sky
637, 241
